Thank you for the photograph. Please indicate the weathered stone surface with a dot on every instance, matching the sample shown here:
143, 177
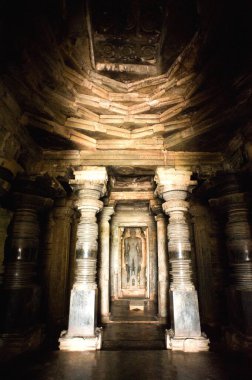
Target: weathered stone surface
185, 315
83, 311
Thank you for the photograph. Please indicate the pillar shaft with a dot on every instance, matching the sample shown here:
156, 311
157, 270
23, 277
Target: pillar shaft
72, 250
114, 264
163, 299
104, 262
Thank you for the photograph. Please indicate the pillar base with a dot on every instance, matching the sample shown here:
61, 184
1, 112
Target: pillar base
81, 343
162, 320
13, 344
105, 318
192, 344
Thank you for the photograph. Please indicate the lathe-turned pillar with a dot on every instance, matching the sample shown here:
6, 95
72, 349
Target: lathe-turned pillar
185, 335
8, 171
21, 328
82, 333
233, 204
163, 302
104, 262
5, 217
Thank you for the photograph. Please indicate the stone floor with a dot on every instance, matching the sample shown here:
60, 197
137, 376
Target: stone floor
128, 365
133, 348
120, 312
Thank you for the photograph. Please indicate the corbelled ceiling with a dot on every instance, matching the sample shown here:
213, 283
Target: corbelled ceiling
168, 75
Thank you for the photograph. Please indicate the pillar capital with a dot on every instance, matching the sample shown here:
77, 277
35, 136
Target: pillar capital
91, 178
170, 180
63, 209
106, 213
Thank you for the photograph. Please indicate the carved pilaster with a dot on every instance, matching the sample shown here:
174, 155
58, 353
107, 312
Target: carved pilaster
82, 332
106, 214
209, 268
56, 263
173, 187
163, 284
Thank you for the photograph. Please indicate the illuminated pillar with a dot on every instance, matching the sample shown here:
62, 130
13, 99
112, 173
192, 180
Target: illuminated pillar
82, 333
185, 335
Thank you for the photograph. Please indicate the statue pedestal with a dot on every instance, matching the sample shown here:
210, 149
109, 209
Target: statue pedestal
136, 305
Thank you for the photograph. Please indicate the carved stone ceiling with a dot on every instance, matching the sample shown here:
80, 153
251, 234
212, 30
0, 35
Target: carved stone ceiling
137, 75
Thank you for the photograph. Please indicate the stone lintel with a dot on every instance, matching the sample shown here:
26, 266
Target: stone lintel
131, 195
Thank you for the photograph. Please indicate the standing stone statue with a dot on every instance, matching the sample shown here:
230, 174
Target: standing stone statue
133, 255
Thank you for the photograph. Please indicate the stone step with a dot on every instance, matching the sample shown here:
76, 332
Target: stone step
133, 336
133, 345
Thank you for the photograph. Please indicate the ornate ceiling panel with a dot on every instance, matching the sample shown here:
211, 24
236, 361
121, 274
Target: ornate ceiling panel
130, 35
65, 102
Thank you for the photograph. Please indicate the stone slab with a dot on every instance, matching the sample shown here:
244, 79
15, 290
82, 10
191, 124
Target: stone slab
185, 313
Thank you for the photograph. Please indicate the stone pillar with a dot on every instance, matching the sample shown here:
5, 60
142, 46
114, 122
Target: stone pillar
8, 171
83, 333
114, 260
163, 286
21, 325
56, 263
104, 262
20, 319
185, 335
72, 251
233, 203
5, 217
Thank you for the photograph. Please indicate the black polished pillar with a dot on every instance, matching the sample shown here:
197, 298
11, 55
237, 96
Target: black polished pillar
20, 324
232, 203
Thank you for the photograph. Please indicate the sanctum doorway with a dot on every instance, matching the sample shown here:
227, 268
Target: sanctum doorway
133, 275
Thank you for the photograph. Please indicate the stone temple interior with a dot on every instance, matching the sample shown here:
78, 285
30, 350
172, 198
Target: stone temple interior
125, 177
